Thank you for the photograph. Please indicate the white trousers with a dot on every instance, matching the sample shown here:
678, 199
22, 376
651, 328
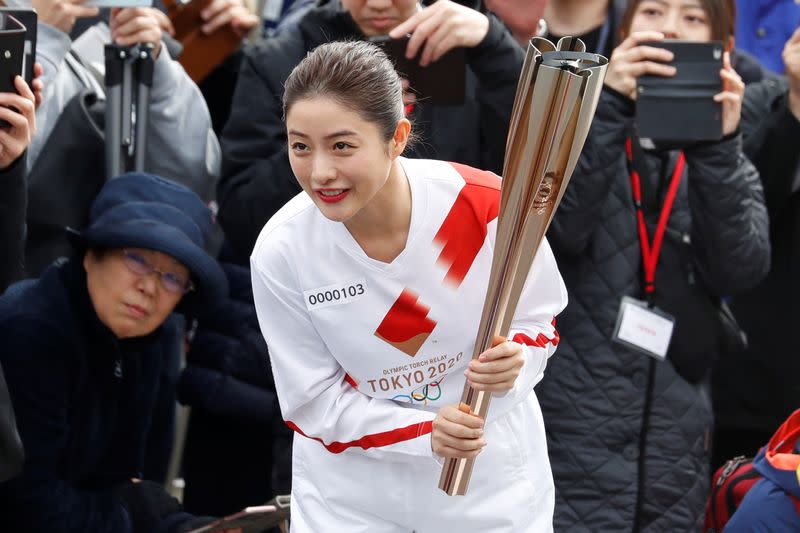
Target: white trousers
511, 489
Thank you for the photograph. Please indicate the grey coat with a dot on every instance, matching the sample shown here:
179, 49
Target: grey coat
182, 144
628, 436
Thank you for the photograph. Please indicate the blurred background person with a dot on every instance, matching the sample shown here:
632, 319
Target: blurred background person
763, 26
522, 17
596, 22
629, 435
754, 390
236, 436
18, 112
182, 144
217, 16
66, 159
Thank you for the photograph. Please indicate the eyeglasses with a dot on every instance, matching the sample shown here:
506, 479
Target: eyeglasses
170, 281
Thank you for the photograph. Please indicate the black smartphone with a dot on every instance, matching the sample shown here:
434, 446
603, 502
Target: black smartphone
12, 47
29, 19
441, 82
681, 108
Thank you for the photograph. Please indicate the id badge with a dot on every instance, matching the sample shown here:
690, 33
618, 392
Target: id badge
643, 328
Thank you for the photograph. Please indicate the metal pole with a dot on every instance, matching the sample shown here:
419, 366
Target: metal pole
126, 106
114, 57
144, 74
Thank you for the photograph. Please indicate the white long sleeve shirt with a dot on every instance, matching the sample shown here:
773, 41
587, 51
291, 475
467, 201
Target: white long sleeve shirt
364, 353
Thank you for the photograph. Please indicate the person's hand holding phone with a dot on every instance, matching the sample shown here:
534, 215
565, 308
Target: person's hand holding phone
791, 58
631, 59
731, 96
457, 433
136, 25
19, 113
62, 14
439, 28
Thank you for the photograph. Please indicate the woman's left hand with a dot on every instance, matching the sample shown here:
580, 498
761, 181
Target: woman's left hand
439, 28
731, 96
497, 369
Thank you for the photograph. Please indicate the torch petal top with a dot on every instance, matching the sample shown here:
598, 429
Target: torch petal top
570, 54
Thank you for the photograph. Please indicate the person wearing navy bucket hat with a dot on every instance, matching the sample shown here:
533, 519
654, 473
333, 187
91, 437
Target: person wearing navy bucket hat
148, 212
84, 347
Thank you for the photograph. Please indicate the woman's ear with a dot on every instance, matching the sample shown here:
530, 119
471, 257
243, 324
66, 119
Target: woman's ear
400, 137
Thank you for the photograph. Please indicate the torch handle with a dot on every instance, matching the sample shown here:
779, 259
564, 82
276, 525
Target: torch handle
456, 472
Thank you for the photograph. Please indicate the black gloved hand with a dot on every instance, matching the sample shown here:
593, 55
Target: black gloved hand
147, 503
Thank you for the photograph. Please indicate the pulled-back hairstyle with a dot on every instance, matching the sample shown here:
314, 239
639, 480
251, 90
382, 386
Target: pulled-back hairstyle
721, 16
357, 75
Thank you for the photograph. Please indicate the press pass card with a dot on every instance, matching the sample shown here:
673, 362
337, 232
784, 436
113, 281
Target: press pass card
643, 328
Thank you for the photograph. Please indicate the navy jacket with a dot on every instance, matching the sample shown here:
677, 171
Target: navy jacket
83, 401
228, 383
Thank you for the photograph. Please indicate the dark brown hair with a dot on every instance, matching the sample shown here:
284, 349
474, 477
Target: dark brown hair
356, 74
721, 16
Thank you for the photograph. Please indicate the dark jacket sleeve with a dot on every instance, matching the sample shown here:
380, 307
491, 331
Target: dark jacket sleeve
772, 141
730, 226
227, 371
256, 178
38, 379
602, 161
12, 455
13, 202
497, 62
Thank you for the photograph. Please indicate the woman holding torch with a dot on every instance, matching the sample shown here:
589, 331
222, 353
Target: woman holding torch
369, 288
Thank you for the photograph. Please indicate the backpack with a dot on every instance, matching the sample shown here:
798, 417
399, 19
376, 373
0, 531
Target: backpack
728, 488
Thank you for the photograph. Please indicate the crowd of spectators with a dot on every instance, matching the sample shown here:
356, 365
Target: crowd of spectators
88, 406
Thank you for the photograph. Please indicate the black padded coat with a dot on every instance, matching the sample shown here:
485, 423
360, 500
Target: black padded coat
628, 436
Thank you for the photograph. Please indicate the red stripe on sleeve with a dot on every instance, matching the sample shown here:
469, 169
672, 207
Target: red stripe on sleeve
540, 341
376, 440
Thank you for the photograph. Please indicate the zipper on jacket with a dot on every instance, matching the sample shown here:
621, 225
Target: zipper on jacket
642, 469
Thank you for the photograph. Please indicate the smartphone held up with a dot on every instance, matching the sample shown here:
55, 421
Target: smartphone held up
12, 50
681, 109
441, 82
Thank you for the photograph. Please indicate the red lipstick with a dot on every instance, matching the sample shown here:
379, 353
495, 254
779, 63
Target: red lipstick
332, 198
